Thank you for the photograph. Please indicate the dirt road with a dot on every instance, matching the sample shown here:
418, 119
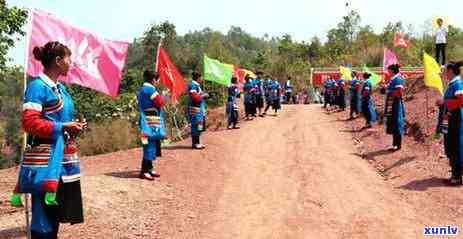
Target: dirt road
292, 176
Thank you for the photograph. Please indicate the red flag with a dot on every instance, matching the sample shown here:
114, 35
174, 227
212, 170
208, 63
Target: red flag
169, 75
401, 42
239, 74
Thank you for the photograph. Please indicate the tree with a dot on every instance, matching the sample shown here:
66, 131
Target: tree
10, 108
341, 39
11, 21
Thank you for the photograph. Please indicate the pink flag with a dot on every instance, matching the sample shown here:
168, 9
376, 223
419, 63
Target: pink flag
96, 62
389, 59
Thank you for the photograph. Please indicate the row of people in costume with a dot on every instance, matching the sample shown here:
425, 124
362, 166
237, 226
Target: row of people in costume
50, 169
254, 92
361, 101
335, 94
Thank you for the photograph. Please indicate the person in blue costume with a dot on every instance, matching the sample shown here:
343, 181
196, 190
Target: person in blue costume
354, 90
232, 108
50, 169
394, 107
327, 86
259, 93
368, 108
288, 90
451, 122
268, 90
196, 110
274, 96
249, 98
341, 95
152, 130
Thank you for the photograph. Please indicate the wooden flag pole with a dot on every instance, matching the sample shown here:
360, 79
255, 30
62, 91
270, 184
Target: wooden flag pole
427, 120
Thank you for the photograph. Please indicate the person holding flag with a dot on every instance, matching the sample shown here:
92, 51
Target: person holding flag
249, 98
259, 94
354, 90
196, 110
50, 169
150, 104
394, 107
368, 108
232, 106
451, 122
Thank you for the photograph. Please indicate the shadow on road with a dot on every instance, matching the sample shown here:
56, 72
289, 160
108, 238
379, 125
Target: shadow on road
424, 184
124, 174
17, 232
352, 130
177, 147
372, 155
401, 162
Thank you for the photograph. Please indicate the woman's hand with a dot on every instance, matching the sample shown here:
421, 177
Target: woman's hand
74, 127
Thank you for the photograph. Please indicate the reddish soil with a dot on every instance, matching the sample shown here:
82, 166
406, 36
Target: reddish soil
299, 175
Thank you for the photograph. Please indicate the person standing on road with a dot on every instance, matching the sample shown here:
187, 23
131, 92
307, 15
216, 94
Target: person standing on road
451, 122
341, 95
259, 94
196, 110
249, 99
354, 90
394, 107
232, 106
441, 42
50, 170
152, 130
274, 98
368, 108
268, 94
288, 91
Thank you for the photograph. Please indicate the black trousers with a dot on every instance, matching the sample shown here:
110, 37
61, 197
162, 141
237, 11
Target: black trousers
456, 167
233, 118
354, 109
440, 51
397, 140
158, 148
50, 235
269, 103
146, 166
195, 140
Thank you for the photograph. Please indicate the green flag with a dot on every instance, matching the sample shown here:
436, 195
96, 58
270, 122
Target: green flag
217, 71
375, 78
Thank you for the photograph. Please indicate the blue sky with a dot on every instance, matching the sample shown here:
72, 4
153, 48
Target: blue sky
127, 19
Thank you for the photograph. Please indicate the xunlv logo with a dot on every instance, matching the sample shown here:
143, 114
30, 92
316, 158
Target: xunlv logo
441, 231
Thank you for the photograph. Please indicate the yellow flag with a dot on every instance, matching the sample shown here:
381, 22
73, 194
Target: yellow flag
445, 20
432, 73
345, 73
250, 73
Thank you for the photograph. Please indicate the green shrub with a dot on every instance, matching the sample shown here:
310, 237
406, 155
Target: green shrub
108, 137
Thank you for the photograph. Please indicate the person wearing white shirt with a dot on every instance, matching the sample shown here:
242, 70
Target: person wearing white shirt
441, 42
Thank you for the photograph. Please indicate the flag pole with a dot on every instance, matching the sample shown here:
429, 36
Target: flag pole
157, 53
427, 119
24, 143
